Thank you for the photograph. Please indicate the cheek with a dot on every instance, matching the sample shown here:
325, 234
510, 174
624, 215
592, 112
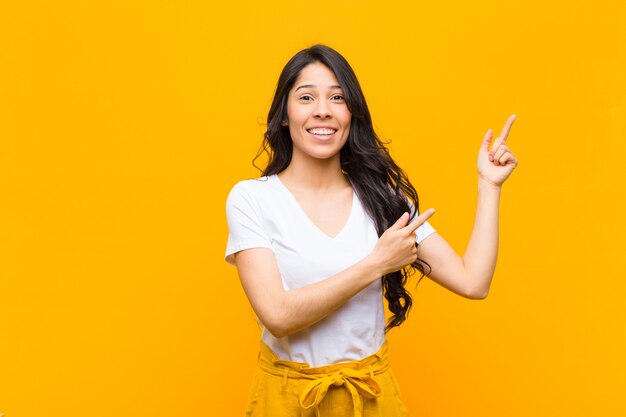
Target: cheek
348, 123
293, 131
347, 119
295, 116
292, 110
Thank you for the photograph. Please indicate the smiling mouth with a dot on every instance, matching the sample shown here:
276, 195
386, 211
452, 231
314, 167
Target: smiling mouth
322, 132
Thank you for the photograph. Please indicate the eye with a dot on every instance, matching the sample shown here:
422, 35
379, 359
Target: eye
306, 98
338, 97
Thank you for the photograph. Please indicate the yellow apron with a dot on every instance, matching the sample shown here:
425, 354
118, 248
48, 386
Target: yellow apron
363, 388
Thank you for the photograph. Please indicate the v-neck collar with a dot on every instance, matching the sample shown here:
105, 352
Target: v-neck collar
308, 219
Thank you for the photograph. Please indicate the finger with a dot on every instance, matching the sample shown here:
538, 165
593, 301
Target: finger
401, 222
419, 220
507, 127
501, 151
494, 147
507, 157
487, 139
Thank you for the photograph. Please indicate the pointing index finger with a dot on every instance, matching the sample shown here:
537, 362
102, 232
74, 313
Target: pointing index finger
419, 220
507, 128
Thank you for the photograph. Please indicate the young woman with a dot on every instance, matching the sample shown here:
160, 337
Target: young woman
332, 226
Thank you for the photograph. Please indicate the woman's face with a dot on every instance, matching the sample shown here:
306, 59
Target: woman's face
318, 116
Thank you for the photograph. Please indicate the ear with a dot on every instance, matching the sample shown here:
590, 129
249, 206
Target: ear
284, 123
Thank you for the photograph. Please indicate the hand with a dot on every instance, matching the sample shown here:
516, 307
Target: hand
496, 164
396, 248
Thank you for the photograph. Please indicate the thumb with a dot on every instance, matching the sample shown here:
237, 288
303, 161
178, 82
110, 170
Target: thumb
401, 222
487, 140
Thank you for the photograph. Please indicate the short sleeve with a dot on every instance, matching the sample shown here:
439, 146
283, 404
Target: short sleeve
424, 230
245, 225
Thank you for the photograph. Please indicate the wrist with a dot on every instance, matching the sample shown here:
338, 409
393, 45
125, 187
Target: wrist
488, 186
372, 268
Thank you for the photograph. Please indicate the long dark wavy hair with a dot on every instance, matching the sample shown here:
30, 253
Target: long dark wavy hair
381, 185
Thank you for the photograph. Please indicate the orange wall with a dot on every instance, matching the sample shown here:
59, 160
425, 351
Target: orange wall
123, 126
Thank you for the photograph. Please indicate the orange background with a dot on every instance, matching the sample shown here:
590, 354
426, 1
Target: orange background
123, 125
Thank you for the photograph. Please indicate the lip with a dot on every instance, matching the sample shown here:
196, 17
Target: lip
322, 127
324, 138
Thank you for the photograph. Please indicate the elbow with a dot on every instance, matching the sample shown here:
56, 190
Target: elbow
482, 295
277, 331
277, 325
278, 318
477, 294
477, 287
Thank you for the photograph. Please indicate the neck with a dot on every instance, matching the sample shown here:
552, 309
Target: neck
315, 175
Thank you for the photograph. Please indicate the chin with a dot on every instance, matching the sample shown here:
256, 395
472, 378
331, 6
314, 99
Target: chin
317, 151
321, 156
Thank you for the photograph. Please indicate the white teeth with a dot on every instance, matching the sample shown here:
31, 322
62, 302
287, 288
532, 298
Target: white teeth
322, 131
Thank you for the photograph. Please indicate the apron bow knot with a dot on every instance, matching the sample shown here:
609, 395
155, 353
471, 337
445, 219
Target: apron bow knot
357, 382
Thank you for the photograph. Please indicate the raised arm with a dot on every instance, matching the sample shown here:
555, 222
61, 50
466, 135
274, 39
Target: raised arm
285, 312
470, 275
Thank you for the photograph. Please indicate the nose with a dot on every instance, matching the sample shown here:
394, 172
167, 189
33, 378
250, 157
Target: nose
322, 110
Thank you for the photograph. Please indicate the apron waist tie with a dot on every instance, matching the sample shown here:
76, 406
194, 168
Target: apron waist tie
356, 377
356, 382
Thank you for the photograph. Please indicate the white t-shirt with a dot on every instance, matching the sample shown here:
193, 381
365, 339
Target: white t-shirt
264, 213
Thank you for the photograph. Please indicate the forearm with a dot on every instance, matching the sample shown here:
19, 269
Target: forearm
302, 307
482, 250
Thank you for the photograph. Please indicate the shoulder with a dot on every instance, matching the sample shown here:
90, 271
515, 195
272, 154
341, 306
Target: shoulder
250, 189
252, 185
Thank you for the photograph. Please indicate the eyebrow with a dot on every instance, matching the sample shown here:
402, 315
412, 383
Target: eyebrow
335, 86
